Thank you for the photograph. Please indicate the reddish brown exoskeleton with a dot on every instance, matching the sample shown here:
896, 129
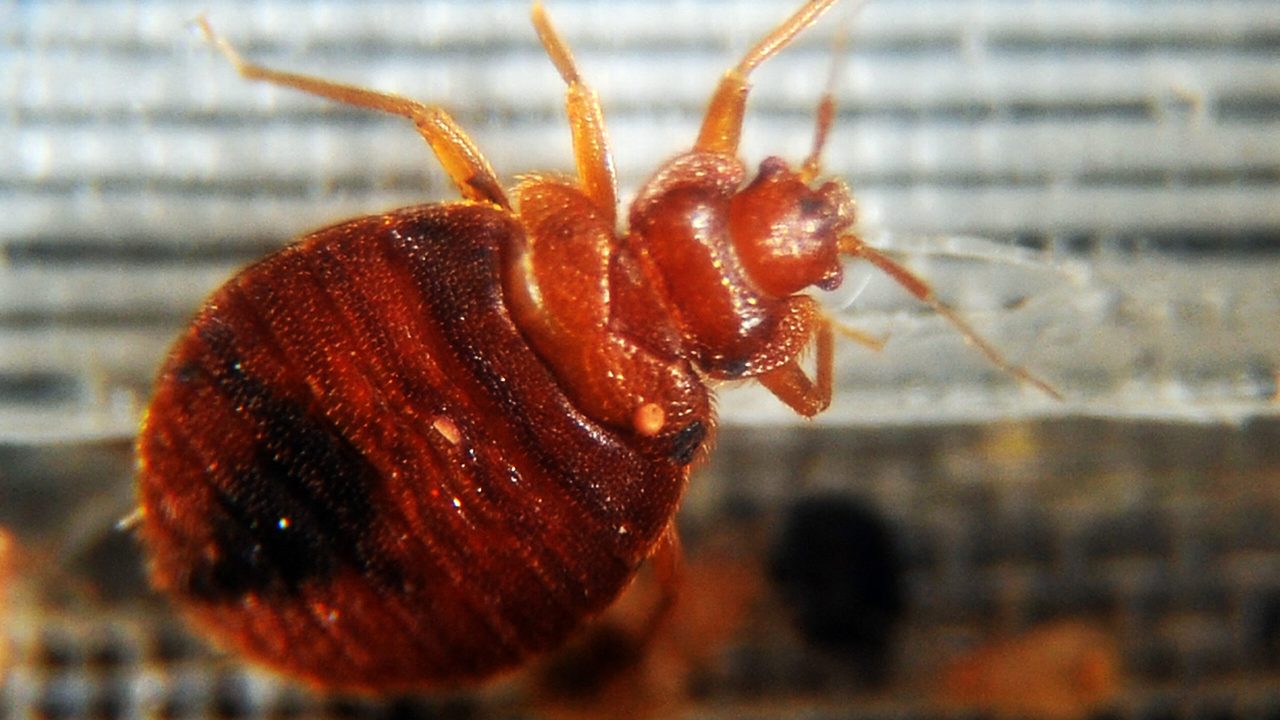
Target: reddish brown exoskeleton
418, 448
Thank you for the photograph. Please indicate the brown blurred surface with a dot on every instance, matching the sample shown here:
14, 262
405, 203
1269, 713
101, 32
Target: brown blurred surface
1150, 549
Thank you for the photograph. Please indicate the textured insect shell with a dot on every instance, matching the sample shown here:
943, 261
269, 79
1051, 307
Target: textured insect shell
355, 470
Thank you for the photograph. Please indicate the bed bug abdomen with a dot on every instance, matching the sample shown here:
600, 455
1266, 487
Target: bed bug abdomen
355, 468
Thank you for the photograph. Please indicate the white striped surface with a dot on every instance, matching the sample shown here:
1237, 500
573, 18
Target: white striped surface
137, 171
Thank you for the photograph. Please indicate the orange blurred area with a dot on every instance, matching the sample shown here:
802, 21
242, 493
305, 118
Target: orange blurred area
622, 668
1062, 670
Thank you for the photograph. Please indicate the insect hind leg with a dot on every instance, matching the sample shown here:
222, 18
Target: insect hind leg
461, 160
586, 121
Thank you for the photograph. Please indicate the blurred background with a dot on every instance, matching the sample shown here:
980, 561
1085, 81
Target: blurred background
1091, 182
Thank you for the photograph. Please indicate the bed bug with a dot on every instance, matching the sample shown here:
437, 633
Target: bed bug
415, 449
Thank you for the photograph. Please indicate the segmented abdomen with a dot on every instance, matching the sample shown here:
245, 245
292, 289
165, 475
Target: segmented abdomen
355, 469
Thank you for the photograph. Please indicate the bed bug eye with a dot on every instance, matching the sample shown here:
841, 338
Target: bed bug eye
687, 441
786, 233
812, 206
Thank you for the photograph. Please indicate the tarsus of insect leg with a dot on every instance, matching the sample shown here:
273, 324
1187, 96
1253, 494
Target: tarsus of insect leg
912, 283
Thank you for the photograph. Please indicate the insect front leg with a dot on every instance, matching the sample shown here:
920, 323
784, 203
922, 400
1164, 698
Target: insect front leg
790, 384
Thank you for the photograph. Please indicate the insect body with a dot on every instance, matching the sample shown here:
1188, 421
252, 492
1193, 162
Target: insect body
418, 448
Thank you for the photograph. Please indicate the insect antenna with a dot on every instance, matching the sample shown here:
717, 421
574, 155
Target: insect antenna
826, 112
853, 246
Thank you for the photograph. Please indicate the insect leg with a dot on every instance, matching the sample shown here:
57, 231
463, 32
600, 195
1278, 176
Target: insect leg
722, 126
461, 160
789, 383
586, 121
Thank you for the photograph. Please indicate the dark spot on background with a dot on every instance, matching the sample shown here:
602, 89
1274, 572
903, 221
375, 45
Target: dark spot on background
113, 565
37, 387
585, 668
836, 565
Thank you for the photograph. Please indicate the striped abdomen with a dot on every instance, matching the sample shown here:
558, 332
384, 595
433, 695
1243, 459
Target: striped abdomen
355, 469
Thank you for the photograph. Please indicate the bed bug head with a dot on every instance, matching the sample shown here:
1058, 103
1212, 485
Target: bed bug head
791, 234
787, 231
